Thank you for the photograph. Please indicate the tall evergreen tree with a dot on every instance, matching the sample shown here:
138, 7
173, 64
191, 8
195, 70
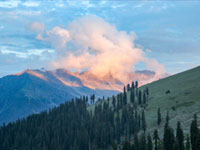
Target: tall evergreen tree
132, 96
136, 142
143, 144
133, 85
187, 142
128, 87
143, 121
156, 139
194, 131
149, 143
158, 116
140, 98
167, 117
180, 137
144, 98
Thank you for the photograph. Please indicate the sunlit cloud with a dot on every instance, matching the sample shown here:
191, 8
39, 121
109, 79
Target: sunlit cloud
92, 44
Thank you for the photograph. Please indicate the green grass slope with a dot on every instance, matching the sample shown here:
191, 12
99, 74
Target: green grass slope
182, 102
184, 96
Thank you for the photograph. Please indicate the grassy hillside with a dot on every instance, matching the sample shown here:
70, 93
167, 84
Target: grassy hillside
184, 96
182, 101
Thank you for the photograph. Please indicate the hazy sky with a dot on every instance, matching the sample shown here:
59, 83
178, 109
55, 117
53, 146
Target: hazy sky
167, 31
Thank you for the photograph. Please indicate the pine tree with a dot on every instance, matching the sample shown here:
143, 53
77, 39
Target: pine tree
194, 131
126, 145
125, 96
143, 121
147, 91
149, 143
167, 117
114, 146
143, 144
159, 117
128, 87
132, 96
136, 84
140, 98
136, 142
187, 142
156, 139
113, 102
179, 137
133, 85
144, 98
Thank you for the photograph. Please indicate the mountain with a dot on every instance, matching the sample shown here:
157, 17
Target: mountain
116, 122
32, 91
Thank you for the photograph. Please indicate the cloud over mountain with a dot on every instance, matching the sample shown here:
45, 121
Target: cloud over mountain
94, 45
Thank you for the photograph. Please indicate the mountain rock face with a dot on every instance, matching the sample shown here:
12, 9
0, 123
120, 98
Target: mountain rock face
32, 91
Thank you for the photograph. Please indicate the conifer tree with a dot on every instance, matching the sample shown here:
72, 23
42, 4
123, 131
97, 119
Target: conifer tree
140, 98
167, 117
132, 96
179, 137
126, 145
136, 142
194, 131
144, 98
128, 87
143, 121
187, 142
156, 139
133, 85
136, 84
113, 102
159, 117
149, 143
125, 96
143, 144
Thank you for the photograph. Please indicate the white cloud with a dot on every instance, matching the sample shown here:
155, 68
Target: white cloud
37, 27
28, 53
9, 4
97, 46
31, 4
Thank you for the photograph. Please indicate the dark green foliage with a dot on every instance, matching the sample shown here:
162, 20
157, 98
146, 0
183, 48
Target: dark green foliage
156, 139
132, 96
169, 139
128, 87
136, 84
126, 145
114, 146
143, 121
144, 98
159, 116
113, 102
149, 143
187, 143
179, 137
140, 98
92, 98
167, 117
133, 85
124, 96
194, 131
136, 142
143, 144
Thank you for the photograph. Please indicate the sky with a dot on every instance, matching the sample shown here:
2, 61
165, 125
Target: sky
76, 35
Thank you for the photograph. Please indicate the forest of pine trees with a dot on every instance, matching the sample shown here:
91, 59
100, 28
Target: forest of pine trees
112, 124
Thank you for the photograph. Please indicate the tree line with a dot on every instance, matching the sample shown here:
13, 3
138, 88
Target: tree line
102, 124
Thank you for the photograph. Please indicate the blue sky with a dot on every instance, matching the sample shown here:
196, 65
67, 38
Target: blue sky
168, 31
